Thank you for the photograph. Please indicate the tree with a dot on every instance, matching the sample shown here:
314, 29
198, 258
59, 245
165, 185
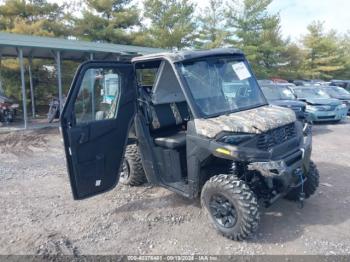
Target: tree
212, 23
257, 33
172, 22
293, 57
109, 21
323, 57
37, 17
343, 44
34, 17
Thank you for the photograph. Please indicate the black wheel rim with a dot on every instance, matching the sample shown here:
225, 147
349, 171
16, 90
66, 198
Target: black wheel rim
223, 211
124, 175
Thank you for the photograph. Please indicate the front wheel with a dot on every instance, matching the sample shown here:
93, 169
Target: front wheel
231, 206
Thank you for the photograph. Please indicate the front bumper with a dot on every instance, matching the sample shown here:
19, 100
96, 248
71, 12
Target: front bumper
334, 115
287, 165
287, 170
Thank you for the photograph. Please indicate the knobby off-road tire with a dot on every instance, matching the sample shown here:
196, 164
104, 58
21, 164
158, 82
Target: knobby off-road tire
310, 185
225, 196
132, 171
52, 113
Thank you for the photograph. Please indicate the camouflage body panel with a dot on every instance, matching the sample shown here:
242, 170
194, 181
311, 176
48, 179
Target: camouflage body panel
265, 168
176, 113
254, 121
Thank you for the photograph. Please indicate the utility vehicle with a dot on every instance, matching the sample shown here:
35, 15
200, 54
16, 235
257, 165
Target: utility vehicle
187, 132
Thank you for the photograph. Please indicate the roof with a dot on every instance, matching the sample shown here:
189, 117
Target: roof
306, 87
277, 85
42, 47
181, 56
340, 81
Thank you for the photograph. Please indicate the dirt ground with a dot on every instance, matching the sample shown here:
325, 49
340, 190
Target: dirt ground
39, 216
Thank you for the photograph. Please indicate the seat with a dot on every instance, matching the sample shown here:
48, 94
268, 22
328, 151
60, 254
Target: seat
166, 124
174, 141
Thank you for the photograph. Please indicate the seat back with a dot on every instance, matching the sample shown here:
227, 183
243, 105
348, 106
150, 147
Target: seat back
163, 116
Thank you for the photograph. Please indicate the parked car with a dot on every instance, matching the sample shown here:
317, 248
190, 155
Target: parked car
278, 80
7, 109
301, 83
286, 84
342, 83
281, 95
265, 82
319, 105
317, 82
338, 93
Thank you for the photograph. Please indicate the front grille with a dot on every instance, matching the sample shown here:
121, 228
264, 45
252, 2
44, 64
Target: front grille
326, 117
276, 136
326, 108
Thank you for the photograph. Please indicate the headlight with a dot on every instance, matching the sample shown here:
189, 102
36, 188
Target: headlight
235, 139
311, 108
342, 106
296, 108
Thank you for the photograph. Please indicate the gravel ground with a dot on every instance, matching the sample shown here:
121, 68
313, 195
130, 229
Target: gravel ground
39, 216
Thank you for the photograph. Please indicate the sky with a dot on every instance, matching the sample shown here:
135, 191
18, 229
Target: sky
297, 14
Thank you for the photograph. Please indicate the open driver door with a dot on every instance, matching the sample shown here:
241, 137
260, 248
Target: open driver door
95, 130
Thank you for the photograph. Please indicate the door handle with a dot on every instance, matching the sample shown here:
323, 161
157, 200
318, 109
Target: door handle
82, 138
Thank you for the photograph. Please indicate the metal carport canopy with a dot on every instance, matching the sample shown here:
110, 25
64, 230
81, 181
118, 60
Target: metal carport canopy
16, 45
41, 47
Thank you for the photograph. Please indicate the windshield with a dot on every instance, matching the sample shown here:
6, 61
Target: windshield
221, 85
312, 93
277, 93
336, 91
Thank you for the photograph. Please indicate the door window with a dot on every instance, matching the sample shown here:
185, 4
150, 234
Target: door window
98, 95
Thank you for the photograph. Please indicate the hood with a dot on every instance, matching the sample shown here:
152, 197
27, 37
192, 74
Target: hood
288, 103
323, 101
342, 97
254, 121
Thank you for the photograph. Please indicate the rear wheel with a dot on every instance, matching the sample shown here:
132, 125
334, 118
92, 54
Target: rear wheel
132, 171
310, 185
53, 111
231, 206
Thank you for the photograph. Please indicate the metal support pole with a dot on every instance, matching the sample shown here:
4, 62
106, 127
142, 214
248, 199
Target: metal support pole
91, 56
1, 89
24, 99
31, 86
59, 79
